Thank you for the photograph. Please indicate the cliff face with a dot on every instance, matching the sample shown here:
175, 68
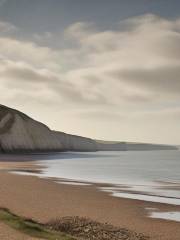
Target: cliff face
20, 133
76, 143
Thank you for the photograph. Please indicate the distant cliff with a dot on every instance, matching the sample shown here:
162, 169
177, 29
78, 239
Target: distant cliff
20, 133
126, 146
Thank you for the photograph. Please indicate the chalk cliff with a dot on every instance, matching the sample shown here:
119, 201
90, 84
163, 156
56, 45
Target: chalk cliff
20, 133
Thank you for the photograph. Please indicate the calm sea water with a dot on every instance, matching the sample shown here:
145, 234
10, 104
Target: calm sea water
145, 175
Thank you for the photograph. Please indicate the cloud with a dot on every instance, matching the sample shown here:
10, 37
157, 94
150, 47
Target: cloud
124, 79
164, 80
35, 82
27, 52
133, 63
141, 57
44, 36
6, 27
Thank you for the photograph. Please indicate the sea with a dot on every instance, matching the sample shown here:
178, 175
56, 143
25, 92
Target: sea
152, 176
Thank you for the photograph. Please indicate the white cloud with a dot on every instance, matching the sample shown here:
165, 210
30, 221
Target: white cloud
6, 27
134, 62
141, 56
133, 68
27, 52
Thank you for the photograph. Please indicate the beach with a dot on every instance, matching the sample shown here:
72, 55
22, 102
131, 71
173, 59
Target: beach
45, 199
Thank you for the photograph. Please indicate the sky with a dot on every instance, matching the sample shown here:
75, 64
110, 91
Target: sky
103, 69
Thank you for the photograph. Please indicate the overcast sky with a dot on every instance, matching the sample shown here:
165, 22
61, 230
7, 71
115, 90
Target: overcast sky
106, 69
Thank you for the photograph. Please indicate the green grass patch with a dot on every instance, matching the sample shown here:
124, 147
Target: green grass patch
30, 227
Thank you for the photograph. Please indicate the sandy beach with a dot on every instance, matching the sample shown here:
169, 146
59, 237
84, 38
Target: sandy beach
44, 199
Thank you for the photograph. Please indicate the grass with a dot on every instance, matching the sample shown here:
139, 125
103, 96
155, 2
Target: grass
30, 227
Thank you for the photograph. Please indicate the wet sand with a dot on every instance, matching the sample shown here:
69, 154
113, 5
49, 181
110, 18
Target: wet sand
43, 200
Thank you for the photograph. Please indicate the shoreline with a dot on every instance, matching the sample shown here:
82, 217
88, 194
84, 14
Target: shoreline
44, 199
139, 191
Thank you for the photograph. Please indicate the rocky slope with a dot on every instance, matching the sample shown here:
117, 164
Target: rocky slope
20, 133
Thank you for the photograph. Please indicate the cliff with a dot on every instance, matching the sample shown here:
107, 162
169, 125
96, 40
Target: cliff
20, 133
126, 146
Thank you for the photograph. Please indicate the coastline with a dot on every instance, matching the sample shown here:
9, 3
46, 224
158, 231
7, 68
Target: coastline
44, 199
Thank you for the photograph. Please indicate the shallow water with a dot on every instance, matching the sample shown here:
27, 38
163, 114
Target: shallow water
145, 175
173, 216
